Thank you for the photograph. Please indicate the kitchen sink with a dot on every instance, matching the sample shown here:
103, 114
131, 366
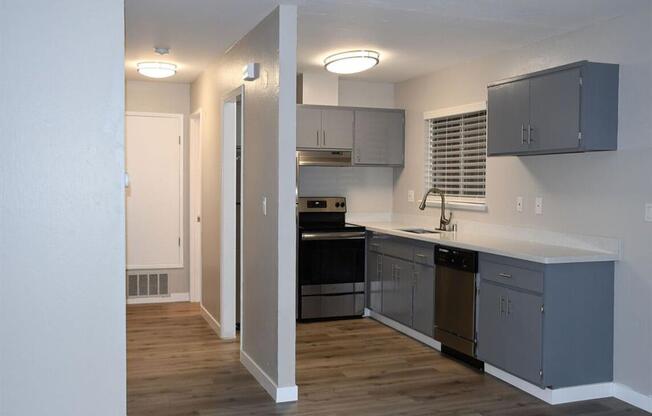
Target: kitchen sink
419, 231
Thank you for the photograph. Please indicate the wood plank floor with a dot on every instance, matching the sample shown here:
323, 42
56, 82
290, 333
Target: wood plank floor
177, 366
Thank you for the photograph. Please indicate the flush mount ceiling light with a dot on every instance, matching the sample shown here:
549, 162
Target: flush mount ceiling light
351, 62
157, 69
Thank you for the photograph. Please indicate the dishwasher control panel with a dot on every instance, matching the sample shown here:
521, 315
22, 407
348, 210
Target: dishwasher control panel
456, 258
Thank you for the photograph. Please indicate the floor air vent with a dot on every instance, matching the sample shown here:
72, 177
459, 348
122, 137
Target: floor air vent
141, 285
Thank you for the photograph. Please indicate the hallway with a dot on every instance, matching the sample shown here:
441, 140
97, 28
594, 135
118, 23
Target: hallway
176, 365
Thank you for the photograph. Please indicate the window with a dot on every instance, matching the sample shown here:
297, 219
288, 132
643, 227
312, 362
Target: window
456, 154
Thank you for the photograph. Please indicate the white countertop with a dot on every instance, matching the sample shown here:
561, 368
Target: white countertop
520, 249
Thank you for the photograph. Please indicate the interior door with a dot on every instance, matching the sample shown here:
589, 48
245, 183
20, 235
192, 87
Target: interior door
337, 129
308, 127
555, 111
154, 196
508, 117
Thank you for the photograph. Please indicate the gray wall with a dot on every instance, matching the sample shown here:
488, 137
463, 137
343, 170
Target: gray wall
596, 194
268, 325
62, 239
169, 97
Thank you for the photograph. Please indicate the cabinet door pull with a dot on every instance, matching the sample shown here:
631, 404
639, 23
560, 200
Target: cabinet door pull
501, 302
323, 137
505, 275
529, 133
317, 138
522, 133
421, 256
509, 307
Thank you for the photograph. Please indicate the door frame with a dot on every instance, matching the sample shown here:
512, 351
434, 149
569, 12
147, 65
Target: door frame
195, 194
228, 212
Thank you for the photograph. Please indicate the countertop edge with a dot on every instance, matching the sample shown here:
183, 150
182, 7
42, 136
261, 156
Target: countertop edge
590, 257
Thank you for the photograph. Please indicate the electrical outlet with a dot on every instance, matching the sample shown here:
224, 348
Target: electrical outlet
411, 195
519, 204
648, 212
538, 205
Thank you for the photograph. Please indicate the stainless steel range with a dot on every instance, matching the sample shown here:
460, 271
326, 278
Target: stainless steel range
331, 260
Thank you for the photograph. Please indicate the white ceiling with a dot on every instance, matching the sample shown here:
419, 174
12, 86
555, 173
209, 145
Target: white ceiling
414, 37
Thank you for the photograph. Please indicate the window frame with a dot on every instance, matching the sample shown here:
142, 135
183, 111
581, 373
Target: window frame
456, 202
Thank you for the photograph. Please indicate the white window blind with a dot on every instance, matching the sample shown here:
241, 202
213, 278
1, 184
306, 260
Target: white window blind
457, 152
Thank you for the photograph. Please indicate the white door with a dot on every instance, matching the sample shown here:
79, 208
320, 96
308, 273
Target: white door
154, 196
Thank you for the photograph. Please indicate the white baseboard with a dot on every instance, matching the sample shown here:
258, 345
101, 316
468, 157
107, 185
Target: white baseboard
575, 393
279, 394
173, 297
640, 400
551, 396
212, 322
424, 339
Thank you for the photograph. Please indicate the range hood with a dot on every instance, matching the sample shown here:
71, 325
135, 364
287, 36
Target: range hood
324, 158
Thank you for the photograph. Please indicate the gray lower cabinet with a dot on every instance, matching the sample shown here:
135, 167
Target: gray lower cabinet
401, 280
551, 325
374, 279
571, 108
423, 306
510, 326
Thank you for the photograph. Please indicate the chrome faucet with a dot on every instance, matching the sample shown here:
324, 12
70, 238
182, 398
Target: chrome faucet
443, 221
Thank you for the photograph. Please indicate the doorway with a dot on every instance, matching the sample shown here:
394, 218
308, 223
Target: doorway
232, 162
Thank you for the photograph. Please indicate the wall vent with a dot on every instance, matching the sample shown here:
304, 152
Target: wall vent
143, 285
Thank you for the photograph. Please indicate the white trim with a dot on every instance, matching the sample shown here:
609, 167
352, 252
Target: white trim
228, 212
626, 394
435, 201
172, 297
448, 111
575, 393
195, 194
181, 134
212, 322
279, 394
424, 339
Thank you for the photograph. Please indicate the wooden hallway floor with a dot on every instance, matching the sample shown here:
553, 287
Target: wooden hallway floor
176, 365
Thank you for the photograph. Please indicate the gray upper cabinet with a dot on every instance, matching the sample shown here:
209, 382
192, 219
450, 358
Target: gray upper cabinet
572, 108
337, 128
509, 117
379, 137
324, 128
308, 127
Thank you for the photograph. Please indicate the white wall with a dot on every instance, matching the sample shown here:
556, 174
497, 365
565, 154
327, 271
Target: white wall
595, 194
368, 190
269, 143
168, 97
62, 239
320, 87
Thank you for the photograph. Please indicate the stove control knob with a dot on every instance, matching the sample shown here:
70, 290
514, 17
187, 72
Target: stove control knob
342, 204
337, 205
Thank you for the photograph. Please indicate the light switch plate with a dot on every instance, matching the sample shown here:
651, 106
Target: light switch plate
411, 195
538, 205
519, 204
648, 212
265, 206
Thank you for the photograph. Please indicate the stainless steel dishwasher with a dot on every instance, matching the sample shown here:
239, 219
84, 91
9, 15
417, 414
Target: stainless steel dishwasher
455, 298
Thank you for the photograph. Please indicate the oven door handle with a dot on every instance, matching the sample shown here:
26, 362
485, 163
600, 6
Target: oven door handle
345, 235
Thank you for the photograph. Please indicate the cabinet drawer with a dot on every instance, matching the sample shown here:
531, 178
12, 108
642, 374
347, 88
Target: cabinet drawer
399, 247
424, 254
511, 272
375, 241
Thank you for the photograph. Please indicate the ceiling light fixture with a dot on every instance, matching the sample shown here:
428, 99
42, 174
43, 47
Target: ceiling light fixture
157, 69
352, 61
